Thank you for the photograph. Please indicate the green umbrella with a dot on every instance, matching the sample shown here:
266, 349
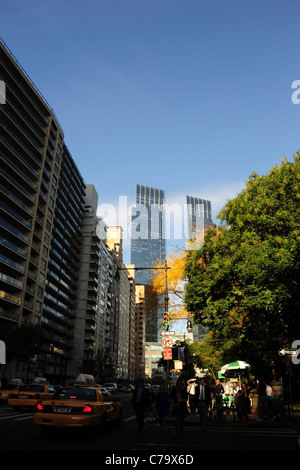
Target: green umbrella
236, 365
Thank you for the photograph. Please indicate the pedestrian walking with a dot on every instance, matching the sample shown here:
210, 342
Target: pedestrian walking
162, 406
243, 404
261, 399
270, 402
179, 408
151, 405
140, 401
218, 396
192, 393
203, 402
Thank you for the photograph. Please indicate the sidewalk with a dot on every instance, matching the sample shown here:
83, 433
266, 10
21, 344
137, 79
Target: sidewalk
284, 421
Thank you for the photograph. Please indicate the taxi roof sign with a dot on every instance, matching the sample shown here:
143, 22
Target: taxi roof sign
85, 379
16, 381
40, 380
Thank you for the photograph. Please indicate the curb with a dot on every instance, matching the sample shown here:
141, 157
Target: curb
284, 421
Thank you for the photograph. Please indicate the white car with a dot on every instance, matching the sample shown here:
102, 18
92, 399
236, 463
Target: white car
111, 387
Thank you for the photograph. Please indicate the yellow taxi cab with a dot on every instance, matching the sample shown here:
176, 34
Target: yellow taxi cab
82, 405
30, 395
6, 390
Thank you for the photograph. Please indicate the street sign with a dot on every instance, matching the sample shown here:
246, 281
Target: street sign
288, 352
167, 333
167, 353
167, 342
178, 365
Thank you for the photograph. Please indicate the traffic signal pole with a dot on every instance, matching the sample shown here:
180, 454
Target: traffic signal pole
166, 294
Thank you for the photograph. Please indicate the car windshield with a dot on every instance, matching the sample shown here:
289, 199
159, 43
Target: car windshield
84, 394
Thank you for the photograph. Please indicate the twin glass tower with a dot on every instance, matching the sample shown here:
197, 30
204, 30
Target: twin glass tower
148, 234
148, 242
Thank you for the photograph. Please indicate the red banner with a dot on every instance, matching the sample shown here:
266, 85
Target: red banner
167, 353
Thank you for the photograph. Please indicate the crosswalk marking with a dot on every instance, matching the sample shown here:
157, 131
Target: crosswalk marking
7, 413
25, 417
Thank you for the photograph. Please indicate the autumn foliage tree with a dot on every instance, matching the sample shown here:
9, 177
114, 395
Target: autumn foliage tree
243, 284
175, 284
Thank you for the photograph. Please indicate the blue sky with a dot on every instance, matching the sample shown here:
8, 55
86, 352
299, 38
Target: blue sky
190, 96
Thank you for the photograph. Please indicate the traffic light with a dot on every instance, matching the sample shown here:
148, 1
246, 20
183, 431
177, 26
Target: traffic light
166, 322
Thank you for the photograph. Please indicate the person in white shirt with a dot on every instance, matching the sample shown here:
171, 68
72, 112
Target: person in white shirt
192, 393
271, 410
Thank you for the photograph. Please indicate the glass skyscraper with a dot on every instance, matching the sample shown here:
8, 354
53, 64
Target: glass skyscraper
148, 243
199, 215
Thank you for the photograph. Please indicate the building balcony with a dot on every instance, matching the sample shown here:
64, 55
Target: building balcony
9, 311
6, 298
17, 173
17, 218
10, 266
91, 316
90, 337
15, 123
13, 138
26, 121
10, 283
30, 290
28, 305
8, 149
16, 188
92, 307
13, 250
7, 195
13, 233
24, 99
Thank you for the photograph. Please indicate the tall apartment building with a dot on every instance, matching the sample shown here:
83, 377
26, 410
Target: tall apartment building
153, 356
88, 327
126, 295
42, 195
132, 322
103, 298
114, 240
63, 231
55, 269
148, 243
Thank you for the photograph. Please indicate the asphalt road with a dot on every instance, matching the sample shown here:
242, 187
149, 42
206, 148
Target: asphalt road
18, 433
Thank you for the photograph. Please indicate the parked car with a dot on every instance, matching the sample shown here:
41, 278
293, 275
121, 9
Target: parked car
111, 387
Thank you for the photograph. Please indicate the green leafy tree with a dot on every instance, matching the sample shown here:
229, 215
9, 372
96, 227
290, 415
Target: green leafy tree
211, 354
23, 342
244, 282
100, 365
